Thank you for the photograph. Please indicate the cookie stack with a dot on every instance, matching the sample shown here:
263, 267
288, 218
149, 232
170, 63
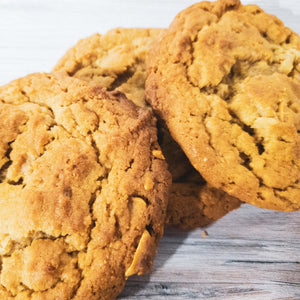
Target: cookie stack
141, 127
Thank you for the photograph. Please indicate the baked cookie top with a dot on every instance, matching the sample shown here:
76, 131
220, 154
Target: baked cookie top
83, 189
117, 60
225, 78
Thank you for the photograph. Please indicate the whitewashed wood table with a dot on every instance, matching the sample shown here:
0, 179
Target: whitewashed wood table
249, 254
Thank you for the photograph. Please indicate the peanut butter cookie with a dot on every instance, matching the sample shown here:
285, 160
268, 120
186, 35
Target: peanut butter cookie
83, 189
226, 80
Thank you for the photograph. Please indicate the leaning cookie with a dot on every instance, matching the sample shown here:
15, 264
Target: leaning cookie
83, 189
117, 61
226, 80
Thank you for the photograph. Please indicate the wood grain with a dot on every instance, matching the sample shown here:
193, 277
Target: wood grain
249, 254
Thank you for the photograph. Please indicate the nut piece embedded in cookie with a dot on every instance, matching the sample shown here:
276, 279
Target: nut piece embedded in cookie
226, 80
74, 208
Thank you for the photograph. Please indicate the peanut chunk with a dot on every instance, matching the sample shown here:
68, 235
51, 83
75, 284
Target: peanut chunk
158, 154
148, 184
137, 262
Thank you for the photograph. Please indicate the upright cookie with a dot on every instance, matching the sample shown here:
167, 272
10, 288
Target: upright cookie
225, 78
117, 61
83, 189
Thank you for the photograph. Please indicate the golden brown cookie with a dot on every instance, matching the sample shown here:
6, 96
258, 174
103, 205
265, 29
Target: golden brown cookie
83, 189
117, 60
225, 78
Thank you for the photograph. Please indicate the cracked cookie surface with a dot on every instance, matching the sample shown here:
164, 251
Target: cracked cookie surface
117, 60
226, 80
83, 190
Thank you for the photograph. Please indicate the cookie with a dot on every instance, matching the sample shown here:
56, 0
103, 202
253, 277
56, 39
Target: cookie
195, 203
225, 79
83, 189
117, 61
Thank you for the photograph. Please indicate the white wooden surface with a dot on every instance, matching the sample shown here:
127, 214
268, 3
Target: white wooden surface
250, 253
